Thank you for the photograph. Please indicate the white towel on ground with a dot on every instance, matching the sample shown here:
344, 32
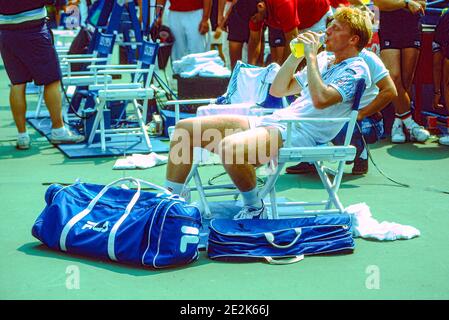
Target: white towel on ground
140, 161
365, 226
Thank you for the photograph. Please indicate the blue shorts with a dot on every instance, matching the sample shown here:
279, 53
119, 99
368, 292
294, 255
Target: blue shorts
399, 29
238, 21
29, 55
276, 37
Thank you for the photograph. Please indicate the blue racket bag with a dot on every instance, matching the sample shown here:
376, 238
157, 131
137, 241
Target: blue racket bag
280, 241
132, 226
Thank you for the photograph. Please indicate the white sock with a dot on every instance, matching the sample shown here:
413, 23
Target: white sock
251, 198
174, 187
408, 122
59, 132
23, 135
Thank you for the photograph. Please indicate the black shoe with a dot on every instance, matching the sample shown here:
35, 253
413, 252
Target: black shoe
301, 168
360, 167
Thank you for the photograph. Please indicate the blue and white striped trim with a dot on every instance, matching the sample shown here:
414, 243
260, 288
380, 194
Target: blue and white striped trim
31, 15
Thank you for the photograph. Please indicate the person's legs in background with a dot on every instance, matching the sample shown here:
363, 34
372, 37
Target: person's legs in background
444, 140
17, 101
53, 101
39, 63
179, 46
276, 40
196, 42
409, 61
395, 60
238, 34
446, 79
235, 52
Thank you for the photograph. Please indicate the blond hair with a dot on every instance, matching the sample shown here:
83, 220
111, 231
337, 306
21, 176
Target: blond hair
358, 21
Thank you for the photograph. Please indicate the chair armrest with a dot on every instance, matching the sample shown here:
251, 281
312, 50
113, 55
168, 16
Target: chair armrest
121, 71
113, 66
177, 103
292, 121
84, 60
192, 101
77, 56
296, 120
66, 73
128, 44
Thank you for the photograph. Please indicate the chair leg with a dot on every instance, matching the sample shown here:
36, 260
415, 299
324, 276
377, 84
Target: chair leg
274, 209
98, 116
203, 196
330, 188
102, 133
142, 127
269, 187
39, 102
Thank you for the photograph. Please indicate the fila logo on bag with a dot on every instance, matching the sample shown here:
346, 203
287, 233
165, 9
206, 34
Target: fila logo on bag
97, 226
191, 236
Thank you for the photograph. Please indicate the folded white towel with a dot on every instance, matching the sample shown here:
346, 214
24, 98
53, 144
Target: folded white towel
201, 60
214, 70
190, 62
207, 54
193, 71
365, 226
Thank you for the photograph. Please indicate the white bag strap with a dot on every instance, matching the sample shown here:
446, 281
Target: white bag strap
75, 219
129, 207
270, 238
281, 261
152, 185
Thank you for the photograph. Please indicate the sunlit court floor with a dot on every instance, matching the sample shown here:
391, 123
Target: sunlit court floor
407, 269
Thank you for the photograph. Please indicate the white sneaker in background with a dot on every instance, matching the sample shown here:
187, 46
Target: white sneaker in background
444, 140
397, 131
418, 133
23, 142
65, 137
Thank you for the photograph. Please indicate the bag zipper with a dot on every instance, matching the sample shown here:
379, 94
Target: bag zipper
344, 226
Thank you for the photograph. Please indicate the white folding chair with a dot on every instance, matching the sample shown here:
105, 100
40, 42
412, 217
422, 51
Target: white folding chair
331, 178
138, 89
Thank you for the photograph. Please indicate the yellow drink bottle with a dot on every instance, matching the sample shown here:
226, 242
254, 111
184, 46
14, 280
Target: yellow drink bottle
297, 48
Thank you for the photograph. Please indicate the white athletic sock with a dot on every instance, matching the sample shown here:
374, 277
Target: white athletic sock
251, 198
174, 187
23, 134
408, 122
59, 132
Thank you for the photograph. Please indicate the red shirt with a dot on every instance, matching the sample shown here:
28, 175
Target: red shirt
186, 5
289, 14
337, 3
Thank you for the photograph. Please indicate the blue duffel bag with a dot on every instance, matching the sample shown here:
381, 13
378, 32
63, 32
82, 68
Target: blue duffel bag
132, 226
280, 241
